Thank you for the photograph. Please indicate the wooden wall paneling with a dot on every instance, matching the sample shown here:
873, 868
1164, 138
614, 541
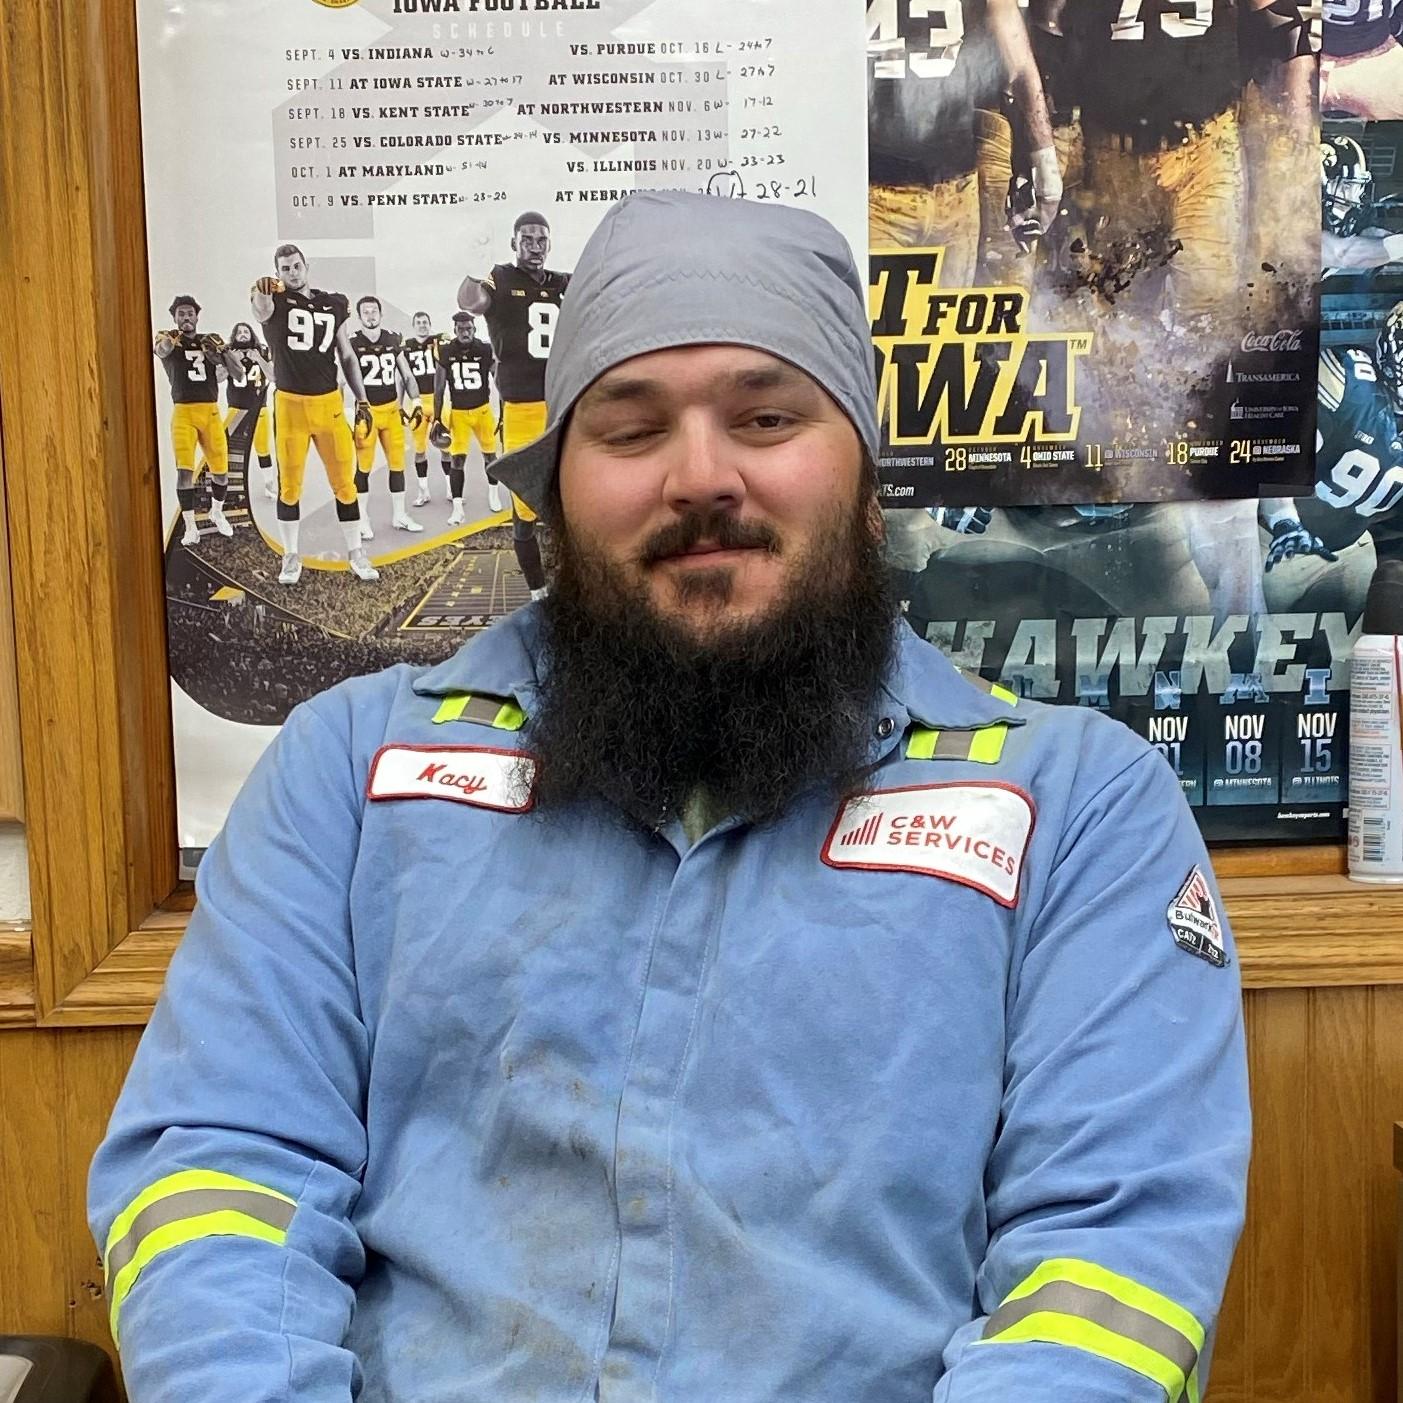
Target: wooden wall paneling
1385, 1079
1336, 1240
86, 567
32, 1222
56, 1094
11, 776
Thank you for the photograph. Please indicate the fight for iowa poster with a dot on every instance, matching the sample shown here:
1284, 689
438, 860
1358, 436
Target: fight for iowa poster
1095, 238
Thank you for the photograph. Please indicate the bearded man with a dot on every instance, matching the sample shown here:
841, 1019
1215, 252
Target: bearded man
695, 989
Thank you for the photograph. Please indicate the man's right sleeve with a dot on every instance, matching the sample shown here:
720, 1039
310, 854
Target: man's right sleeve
222, 1193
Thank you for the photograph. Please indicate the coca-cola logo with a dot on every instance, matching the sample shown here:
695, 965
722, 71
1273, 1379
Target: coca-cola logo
1289, 340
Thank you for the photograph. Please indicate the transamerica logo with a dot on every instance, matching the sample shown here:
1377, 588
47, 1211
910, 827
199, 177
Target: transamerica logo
958, 365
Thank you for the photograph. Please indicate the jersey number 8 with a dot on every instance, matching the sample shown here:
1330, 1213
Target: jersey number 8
541, 319
302, 327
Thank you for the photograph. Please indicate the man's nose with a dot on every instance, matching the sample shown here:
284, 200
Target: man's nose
703, 472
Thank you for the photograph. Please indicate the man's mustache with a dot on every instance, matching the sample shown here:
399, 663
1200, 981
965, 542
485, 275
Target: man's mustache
722, 529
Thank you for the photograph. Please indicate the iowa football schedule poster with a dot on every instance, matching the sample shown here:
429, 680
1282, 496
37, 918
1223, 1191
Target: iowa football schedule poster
382, 200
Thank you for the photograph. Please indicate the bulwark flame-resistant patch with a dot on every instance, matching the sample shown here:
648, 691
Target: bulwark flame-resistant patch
1194, 923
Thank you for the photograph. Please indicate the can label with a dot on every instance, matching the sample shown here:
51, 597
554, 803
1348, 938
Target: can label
1376, 760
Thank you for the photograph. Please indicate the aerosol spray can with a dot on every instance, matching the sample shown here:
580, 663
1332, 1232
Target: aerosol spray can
1376, 733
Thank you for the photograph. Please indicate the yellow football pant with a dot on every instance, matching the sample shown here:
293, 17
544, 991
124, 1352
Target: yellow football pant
260, 429
523, 422
929, 216
426, 422
1000, 261
467, 424
199, 425
1199, 187
387, 429
301, 420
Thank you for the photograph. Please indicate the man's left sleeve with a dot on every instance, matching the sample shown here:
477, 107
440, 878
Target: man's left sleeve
1116, 1185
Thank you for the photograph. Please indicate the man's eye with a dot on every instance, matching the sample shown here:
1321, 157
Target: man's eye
623, 437
769, 420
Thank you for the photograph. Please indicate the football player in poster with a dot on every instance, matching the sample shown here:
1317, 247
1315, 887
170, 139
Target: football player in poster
464, 368
1350, 235
421, 350
1361, 70
247, 393
1159, 86
935, 75
192, 363
520, 301
385, 372
307, 332
1359, 476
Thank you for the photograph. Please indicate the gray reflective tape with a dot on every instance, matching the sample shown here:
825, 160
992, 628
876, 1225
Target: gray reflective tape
1065, 1298
953, 745
191, 1203
482, 709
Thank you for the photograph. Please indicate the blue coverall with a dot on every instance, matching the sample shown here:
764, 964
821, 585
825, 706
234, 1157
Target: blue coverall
934, 1095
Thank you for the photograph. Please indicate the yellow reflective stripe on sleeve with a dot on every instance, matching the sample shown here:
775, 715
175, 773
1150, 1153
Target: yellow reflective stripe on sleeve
987, 744
921, 746
510, 718
1076, 1303
180, 1208
984, 746
485, 710
451, 708
994, 689
1122, 1288
1047, 1327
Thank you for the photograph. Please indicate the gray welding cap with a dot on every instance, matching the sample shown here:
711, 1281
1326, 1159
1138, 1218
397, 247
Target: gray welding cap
666, 268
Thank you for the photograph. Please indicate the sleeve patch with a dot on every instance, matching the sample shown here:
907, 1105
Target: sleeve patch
1194, 922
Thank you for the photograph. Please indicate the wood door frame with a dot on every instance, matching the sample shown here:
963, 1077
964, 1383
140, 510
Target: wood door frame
79, 437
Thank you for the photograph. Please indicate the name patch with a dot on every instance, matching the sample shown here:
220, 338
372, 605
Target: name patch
974, 833
467, 774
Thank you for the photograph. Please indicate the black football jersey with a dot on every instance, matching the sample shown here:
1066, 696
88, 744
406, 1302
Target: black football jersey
1357, 26
926, 74
379, 365
422, 353
521, 322
467, 366
192, 377
302, 335
249, 388
1358, 453
1146, 66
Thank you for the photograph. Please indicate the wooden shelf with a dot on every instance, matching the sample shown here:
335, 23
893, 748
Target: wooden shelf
1292, 932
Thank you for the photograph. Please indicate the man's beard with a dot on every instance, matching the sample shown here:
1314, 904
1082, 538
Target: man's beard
645, 712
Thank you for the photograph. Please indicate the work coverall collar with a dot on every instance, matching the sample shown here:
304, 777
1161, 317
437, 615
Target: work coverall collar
922, 687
